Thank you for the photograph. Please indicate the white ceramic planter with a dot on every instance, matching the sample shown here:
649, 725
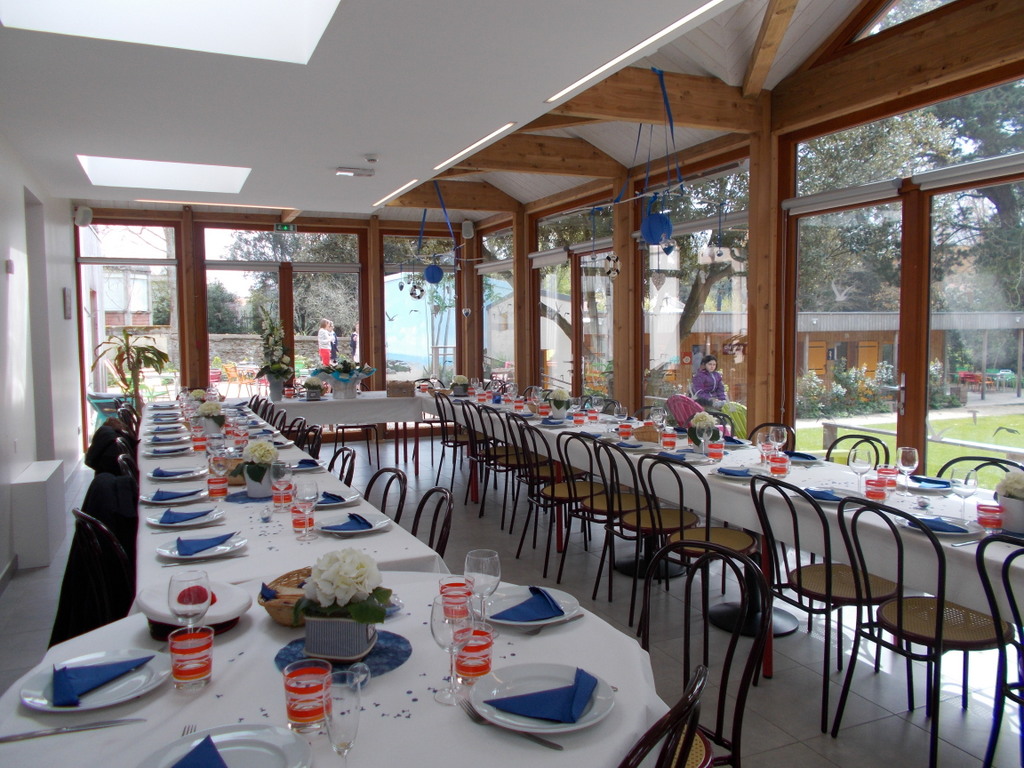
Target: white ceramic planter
339, 639
260, 490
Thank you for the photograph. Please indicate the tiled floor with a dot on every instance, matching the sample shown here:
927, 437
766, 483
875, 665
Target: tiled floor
781, 726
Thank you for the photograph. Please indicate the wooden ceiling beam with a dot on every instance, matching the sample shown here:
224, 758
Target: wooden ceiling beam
525, 153
968, 38
550, 122
458, 195
289, 215
634, 95
776, 20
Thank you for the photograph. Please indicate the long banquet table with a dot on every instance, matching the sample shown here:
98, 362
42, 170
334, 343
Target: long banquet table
401, 724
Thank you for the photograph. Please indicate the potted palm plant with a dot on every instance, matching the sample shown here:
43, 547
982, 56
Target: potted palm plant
128, 355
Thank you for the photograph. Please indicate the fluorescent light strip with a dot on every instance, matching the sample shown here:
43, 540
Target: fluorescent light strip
475, 144
636, 49
222, 205
396, 193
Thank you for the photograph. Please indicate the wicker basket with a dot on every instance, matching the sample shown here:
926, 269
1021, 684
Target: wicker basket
401, 388
236, 479
647, 434
281, 608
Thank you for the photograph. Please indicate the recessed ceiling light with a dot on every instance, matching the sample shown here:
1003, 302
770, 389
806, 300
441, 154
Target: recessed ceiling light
344, 171
155, 174
258, 29
221, 204
473, 146
396, 193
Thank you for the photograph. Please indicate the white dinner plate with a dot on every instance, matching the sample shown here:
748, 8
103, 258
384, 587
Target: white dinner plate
350, 496
37, 693
262, 746
297, 468
169, 549
168, 452
530, 678
194, 473
742, 478
232, 601
805, 462
198, 522
169, 430
199, 496
916, 487
972, 527
163, 406
508, 596
166, 418
279, 444
378, 520
172, 440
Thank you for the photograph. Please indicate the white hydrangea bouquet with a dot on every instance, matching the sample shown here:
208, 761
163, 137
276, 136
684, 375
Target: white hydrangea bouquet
1012, 485
559, 399
703, 419
198, 394
256, 460
211, 410
345, 584
458, 378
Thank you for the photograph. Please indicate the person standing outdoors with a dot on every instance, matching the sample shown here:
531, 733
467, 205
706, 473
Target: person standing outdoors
323, 341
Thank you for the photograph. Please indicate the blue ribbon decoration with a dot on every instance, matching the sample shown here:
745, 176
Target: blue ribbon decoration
671, 124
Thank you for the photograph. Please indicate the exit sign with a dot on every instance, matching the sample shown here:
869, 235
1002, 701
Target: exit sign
285, 228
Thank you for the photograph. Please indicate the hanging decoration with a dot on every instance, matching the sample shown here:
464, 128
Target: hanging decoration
466, 311
658, 279
612, 266
433, 274
416, 292
655, 226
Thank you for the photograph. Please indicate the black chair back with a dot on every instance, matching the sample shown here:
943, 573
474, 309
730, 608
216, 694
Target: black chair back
435, 506
851, 442
392, 484
344, 459
790, 443
676, 730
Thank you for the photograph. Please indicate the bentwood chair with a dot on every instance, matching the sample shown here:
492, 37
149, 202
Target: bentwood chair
545, 490
846, 443
453, 439
344, 459
310, 439
436, 507
990, 469
793, 522
720, 741
393, 486
1005, 598
502, 458
675, 731
915, 617
790, 443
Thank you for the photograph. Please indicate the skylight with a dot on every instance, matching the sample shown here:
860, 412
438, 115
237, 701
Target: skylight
154, 174
257, 29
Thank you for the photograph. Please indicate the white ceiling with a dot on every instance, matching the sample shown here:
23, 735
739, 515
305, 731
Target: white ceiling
412, 81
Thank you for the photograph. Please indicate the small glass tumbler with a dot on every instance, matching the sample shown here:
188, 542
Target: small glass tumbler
454, 582
473, 661
306, 687
990, 517
191, 657
876, 488
716, 451
778, 465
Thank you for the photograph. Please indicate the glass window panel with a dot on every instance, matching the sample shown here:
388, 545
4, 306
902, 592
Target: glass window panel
597, 328
499, 325
116, 241
256, 245
976, 325
900, 11
498, 246
234, 299
555, 328
709, 197
324, 296
573, 228
848, 302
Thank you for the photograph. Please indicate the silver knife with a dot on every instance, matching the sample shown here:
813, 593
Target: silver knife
70, 729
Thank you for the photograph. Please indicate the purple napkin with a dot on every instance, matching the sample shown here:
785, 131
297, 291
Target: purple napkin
355, 523
171, 472
539, 606
71, 682
730, 440
822, 494
553, 422
162, 495
267, 593
189, 547
169, 517
936, 483
624, 444
202, 755
562, 705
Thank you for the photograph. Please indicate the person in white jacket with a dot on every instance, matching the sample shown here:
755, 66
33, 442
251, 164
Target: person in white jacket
324, 339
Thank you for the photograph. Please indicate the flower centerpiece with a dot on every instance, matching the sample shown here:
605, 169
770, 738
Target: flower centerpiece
344, 375
277, 361
559, 400
256, 460
342, 602
198, 395
460, 385
1010, 494
314, 388
213, 418
700, 421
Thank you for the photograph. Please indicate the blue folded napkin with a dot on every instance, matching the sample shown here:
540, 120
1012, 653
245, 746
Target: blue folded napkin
938, 525
624, 444
166, 451
801, 456
924, 481
562, 705
164, 439
822, 494
281, 443
678, 456
730, 440
539, 606
71, 682
590, 434
734, 472
254, 422
169, 517
267, 593
307, 463
202, 755
167, 428
165, 419
164, 495
189, 547
553, 422
355, 523
330, 498
158, 472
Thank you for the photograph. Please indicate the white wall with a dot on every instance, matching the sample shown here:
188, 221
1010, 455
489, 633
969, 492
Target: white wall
38, 348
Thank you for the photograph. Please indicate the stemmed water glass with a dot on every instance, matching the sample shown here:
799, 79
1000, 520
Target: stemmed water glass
484, 567
906, 462
189, 597
451, 625
704, 433
306, 495
860, 462
658, 416
621, 412
964, 483
344, 701
280, 483
777, 437
764, 445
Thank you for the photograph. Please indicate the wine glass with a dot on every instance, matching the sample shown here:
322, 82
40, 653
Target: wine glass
658, 416
451, 626
704, 433
281, 484
307, 493
511, 390
189, 596
777, 437
764, 445
860, 462
964, 483
621, 412
906, 461
484, 567
344, 702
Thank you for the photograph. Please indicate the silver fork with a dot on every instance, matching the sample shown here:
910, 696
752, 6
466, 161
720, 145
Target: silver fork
189, 729
542, 627
477, 718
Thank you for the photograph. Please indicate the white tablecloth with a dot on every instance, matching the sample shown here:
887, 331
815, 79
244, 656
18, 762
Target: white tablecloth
366, 408
401, 724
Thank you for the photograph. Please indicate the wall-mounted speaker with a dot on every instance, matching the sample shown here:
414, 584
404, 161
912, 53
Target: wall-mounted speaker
83, 216
467, 230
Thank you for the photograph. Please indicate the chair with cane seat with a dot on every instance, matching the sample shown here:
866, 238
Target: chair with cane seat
676, 732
